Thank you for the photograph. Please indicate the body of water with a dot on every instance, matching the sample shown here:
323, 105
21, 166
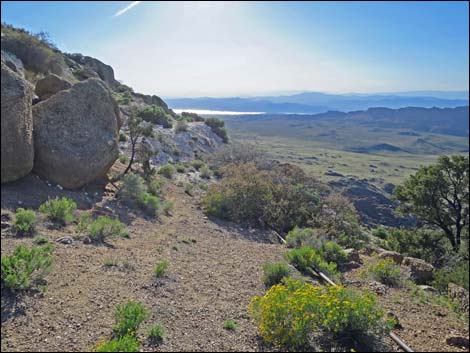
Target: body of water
215, 112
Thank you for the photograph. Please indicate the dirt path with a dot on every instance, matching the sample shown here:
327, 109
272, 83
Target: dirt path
214, 272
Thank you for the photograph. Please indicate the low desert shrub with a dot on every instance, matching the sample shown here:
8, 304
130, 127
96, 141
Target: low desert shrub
155, 115
188, 188
59, 210
25, 222
104, 227
306, 258
385, 271
181, 126
25, 267
205, 172
180, 168
230, 325
290, 314
458, 274
274, 273
167, 171
279, 198
160, 270
197, 163
156, 333
126, 343
128, 318
218, 127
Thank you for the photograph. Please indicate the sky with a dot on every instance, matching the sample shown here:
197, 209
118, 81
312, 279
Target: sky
221, 49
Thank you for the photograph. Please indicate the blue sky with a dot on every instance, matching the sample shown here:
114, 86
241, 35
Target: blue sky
188, 49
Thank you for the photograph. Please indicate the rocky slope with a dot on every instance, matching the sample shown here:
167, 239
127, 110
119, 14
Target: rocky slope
76, 106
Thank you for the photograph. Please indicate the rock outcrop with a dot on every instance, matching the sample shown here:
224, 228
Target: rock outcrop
50, 85
17, 125
105, 72
419, 270
75, 134
13, 62
395, 256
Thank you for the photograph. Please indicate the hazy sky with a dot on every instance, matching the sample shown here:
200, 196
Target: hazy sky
183, 49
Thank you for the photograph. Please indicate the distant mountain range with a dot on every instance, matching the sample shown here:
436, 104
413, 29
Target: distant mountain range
317, 102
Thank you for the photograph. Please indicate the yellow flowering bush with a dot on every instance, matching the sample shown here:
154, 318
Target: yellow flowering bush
290, 313
385, 271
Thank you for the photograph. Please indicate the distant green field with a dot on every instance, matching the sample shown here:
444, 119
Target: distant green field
327, 147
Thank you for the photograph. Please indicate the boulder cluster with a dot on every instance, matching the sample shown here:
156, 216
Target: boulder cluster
64, 130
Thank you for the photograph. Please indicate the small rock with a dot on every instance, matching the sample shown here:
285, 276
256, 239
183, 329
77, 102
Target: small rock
86, 240
65, 240
457, 341
427, 288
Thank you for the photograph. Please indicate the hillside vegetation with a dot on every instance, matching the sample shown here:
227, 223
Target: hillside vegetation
128, 227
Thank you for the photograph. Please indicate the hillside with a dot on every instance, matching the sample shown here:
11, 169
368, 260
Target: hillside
128, 227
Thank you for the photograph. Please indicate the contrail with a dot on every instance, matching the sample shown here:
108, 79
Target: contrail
127, 8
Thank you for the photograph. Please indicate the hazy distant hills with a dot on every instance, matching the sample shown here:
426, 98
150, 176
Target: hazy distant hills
317, 102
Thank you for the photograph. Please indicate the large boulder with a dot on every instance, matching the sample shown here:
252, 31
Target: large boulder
419, 270
459, 295
50, 85
17, 125
75, 134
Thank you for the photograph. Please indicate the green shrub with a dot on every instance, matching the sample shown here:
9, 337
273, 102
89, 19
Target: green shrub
458, 274
40, 240
292, 315
149, 202
180, 168
126, 343
124, 159
380, 232
161, 269
155, 115
205, 172
188, 188
59, 210
385, 271
197, 163
122, 137
154, 187
134, 193
421, 243
306, 258
156, 333
332, 252
132, 186
84, 222
26, 267
167, 171
25, 222
218, 127
192, 116
104, 227
167, 206
299, 237
230, 325
279, 198
128, 317
274, 273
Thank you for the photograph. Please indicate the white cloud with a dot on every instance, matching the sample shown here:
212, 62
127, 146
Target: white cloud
127, 8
